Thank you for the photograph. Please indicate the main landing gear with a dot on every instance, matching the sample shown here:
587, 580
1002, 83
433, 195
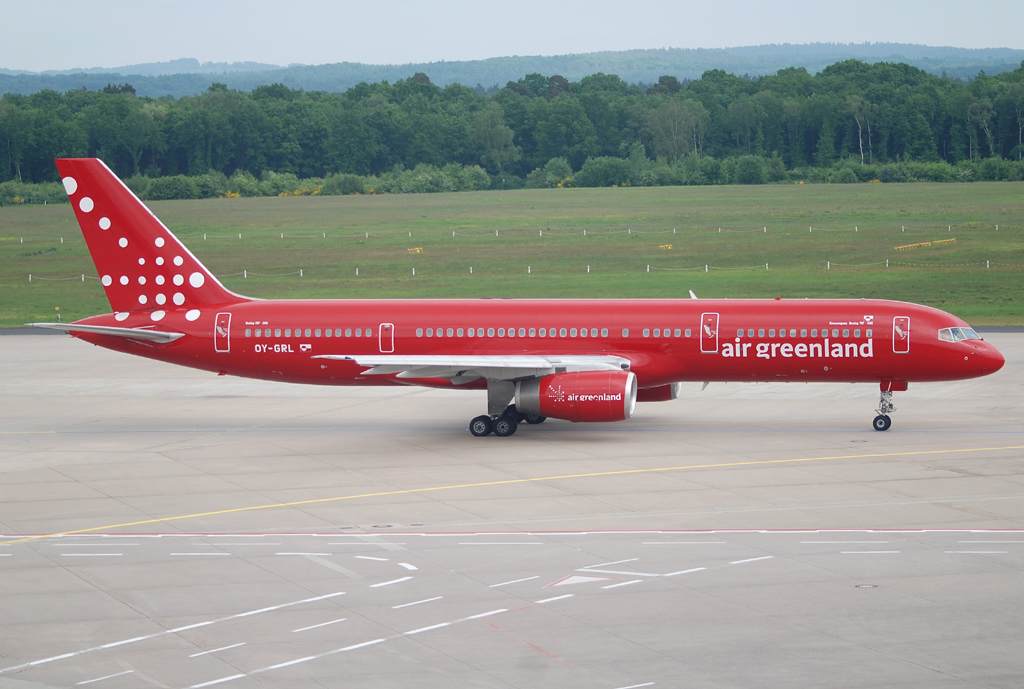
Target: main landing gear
504, 424
885, 407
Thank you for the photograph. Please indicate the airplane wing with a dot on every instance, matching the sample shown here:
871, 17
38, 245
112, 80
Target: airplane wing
463, 369
159, 336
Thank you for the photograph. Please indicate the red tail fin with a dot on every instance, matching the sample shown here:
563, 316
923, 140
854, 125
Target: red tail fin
141, 264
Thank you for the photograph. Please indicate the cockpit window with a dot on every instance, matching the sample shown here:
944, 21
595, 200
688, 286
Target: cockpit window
958, 334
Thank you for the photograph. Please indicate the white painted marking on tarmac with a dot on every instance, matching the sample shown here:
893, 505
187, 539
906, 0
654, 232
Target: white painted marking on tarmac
91, 554
220, 544
290, 662
484, 614
514, 581
99, 679
168, 631
752, 559
5, 554
425, 600
411, 568
427, 629
315, 626
367, 557
306, 554
637, 686
976, 552
613, 571
507, 543
388, 583
91, 545
869, 552
216, 650
607, 564
355, 646
198, 554
216, 681
549, 600
622, 583
685, 571
990, 541
684, 542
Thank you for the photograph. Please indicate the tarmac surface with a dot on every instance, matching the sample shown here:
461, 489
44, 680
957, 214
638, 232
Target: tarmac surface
168, 527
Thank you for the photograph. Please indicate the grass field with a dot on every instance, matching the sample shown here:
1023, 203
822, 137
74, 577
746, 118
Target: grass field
952, 276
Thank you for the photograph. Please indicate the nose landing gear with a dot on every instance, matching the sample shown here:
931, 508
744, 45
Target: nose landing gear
882, 422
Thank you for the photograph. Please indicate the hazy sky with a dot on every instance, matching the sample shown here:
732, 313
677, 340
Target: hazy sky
61, 34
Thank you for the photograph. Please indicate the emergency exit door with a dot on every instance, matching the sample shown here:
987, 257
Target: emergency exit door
709, 333
387, 338
222, 333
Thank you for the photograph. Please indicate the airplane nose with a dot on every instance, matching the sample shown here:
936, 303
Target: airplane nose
990, 359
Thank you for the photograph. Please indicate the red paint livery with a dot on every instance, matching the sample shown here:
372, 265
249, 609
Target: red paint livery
582, 360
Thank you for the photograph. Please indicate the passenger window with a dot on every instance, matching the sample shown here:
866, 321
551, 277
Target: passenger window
572, 332
835, 333
419, 332
522, 332
583, 332
543, 332
667, 332
593, 332
248, 332
750, 332
868, 333
328, 332
688, 332
471, 332
739, 333
533, 332
803, 332
814, 332
760, 332
604, 332
856, 333
308, 332
337, 332
792, 332
490, 332
657, 332
625, 332
317, 333
561, 332
287, 332
430, 332
647, 332
846, 332
369, 332
458, 332
501, 332
348, 332
677, 332
771, 333
451, 332
277, 333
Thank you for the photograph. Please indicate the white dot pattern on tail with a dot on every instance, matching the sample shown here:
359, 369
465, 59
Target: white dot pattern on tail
104, 223
192, 315
124, 279
159, 242
160, 260
161, 299
178, 260
179, 298
122, 316
86, 204
122, 242
106, 280
196, 280
157, 315
179, 280
160, 279
142, 299
70, 185
142, 279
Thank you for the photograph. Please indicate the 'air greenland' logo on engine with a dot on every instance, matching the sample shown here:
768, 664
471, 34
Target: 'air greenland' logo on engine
604, 397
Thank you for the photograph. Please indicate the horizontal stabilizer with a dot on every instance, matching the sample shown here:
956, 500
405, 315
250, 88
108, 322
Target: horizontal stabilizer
159, 336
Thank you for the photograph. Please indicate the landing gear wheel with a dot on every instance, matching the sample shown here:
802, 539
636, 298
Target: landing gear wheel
881, 422
504, 426
481, 426
533, 419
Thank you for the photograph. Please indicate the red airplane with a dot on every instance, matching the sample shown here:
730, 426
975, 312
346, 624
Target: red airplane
579, 360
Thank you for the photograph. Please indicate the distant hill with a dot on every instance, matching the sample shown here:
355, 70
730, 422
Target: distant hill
188, 76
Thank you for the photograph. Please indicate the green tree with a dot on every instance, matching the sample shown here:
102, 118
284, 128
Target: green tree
671, 126
491, 134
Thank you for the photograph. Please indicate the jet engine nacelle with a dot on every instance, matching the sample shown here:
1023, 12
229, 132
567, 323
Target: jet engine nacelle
581, 396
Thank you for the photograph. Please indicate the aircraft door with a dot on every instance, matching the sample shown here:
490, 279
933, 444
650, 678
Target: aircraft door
222, 333
709, 333
387, 338
901, 334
